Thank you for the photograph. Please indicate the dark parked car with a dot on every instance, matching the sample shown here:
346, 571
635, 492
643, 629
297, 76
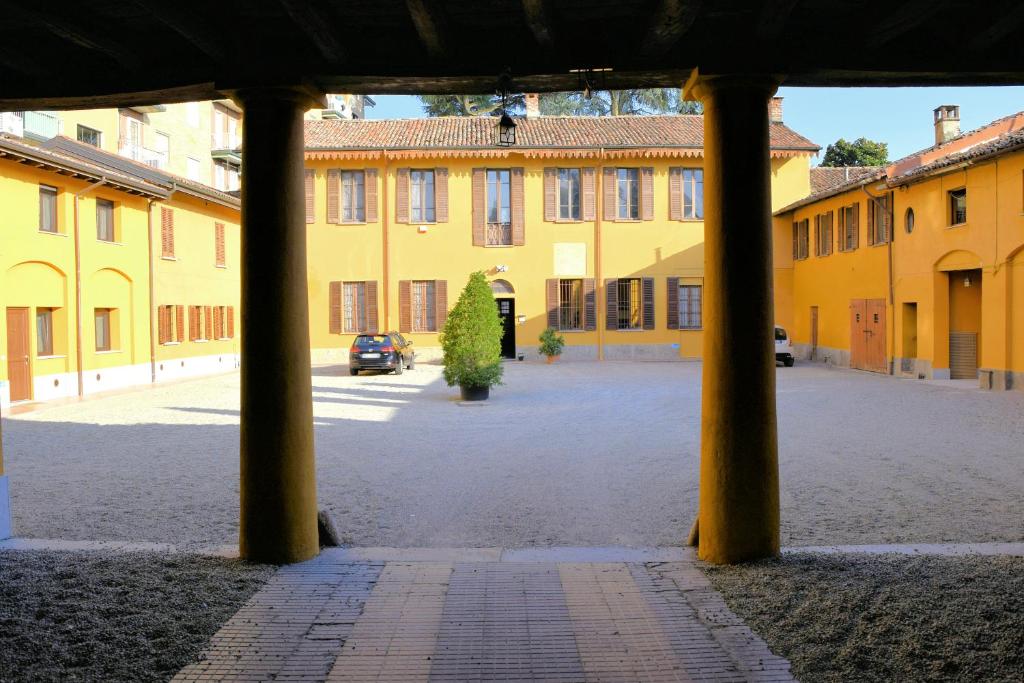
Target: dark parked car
387, 352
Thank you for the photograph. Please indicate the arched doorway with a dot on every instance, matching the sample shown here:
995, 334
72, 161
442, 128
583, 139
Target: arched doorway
504, 296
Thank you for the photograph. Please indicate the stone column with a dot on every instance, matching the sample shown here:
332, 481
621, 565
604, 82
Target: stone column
5, 498
278, 477
739, 481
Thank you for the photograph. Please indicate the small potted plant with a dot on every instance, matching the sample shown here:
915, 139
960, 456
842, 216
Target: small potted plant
471, 341
551, 344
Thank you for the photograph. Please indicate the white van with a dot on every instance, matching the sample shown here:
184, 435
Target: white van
783, 347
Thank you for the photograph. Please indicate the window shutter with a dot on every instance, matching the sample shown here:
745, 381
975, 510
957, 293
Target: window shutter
402, 195
310, 178
218, 323
588, 198
372, 325
610, 206
551, 289
208, 317
796, 240
828, 229
675, 194
405, 306
648, 300
550, 194
231, 322
817, 234
871, 222
589, 304
179, 323
856, 225
193, 323
218, 238
842, 228
166, 232
517, 206
673, 303
370, 195
441, 301
647, 193
163, 324
441, 195
611, 297
334, 313
479, 207
333, 180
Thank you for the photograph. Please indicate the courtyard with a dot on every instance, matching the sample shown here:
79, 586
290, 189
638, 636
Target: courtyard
574, 454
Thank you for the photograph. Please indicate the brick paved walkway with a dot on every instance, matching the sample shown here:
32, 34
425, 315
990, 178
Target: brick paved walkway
339, 618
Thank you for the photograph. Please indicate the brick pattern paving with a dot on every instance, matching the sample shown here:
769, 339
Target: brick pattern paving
339, 619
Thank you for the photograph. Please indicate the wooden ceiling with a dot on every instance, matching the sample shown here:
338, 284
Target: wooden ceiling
131, 52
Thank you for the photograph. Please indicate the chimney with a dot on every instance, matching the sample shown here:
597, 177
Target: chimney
775, 110
947, 123
532, 105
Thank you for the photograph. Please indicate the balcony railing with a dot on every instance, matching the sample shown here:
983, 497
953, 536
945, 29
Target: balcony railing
12, 122
499, 234
41, 125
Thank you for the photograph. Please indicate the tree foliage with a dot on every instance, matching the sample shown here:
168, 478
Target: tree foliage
600, 103
471, 338
860, 152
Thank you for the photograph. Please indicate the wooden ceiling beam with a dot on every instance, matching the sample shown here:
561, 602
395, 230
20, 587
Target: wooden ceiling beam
1009, 21
899, 20
539, 21
61, 24
198, 33
432, 27
773, 18
670, 22
318, 28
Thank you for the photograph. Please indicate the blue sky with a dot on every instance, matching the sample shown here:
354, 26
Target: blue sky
901, 117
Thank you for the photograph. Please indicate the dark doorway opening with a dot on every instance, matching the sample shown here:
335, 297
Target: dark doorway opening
507, 313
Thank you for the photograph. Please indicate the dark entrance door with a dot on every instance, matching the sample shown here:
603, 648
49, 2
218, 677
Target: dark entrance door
507, 313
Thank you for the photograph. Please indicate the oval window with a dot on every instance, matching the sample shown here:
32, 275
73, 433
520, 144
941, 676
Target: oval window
909, 221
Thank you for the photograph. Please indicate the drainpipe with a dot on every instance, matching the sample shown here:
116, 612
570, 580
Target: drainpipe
385, 288
892, 293
152, 302
78, 286
598, 282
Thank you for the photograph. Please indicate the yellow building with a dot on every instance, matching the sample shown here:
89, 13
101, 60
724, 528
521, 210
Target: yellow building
914, 269
590, 225
84, 271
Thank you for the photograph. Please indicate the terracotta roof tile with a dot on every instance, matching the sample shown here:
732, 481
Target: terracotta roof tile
826, 178
997, 145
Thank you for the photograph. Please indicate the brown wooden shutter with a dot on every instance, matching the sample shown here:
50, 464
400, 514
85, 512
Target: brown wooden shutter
648, 302
333, 180
479, 207
193, 323
828, 228
842, 228
218, 238
550, 194
441, 195
334, 311
166, 232
405, 306
402, 195
372, 325
518, 207
179, 323
817, 234
647, 193
673, 303
611, 298
310, 178
218, 323
441, 301
675, 194
551, 291
370, 195
163, 324
589, 304
796, 240
588, 200
610, 206
871, 222
231, 322
856, 225
208, 317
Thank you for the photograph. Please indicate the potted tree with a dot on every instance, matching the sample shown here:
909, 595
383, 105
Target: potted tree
551, 344
471, 341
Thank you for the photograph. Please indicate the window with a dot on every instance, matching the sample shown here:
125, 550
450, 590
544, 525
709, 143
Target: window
499, 212
908, 221
879, 220
130, 144
568, 194
570, 304
218, 322
801, 239
161, 151
170, 324
690, 300
47, 208
192, 114
103, 329
849, 230
355, 306
421, 196
423, 306
225, 176
693, 193
44, 331
89, 136
105, 220
629, 308
218, 245
823, 234
628, 180
958, 206
353, 184
193, 169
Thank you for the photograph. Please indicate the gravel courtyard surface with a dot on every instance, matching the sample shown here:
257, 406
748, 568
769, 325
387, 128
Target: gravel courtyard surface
568, 454
885, 618
114, 616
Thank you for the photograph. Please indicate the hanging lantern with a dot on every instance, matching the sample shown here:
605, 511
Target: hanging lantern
967, 280
505, 131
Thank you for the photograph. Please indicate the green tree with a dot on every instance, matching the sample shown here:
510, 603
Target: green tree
471, 338
860, 152
470, 105
600, 103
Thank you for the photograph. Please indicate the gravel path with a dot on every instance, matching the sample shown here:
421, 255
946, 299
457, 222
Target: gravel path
569, 454
112, 617
890, 618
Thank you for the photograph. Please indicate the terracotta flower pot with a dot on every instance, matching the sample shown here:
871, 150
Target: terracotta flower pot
551, 359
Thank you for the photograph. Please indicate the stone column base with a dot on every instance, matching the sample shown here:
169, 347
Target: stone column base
5, 508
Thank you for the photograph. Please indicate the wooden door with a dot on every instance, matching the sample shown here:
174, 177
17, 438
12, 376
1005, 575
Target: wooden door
814, 333
858, 312
18, 369
875, 336
963, 355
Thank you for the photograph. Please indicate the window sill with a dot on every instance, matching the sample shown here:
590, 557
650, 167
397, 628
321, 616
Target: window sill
574, 331
107, 352
200, 341
168, 258
223, 339
351, 223
55, 233
114, 243
50, 356
570, 221
690, 220
498, 246
173, 343
691, 329
221, 266
957, 225
631, 329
